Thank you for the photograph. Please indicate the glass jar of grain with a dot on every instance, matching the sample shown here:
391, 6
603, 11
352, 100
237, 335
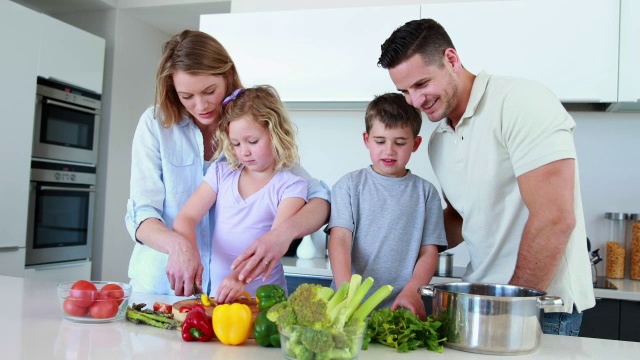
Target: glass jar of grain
633, 244
615, 254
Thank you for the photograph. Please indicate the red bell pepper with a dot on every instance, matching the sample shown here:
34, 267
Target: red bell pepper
197, 326
187, 308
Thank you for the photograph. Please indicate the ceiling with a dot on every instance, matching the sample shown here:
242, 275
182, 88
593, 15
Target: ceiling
170, 16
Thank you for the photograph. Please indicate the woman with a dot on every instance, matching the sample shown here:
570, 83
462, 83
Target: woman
172, 148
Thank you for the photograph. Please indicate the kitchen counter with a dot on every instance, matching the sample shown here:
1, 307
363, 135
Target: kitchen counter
34, 328
320, 267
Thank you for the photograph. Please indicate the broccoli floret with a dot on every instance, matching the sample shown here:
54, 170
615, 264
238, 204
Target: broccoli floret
340, 339
309, 304
317, 340
282, 314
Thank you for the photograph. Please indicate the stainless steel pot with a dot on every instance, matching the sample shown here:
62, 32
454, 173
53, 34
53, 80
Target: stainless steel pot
489, 318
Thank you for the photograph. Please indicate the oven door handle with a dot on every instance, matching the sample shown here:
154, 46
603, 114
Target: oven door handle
77, 108
60, 188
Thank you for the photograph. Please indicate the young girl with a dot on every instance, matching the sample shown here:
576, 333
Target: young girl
252, 191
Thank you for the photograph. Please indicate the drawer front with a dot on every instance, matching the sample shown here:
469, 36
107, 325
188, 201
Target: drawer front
71, 271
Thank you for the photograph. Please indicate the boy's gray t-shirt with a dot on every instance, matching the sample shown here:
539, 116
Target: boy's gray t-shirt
390, 219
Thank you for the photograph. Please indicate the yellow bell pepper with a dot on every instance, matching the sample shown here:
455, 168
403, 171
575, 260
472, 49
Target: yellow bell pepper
232, 323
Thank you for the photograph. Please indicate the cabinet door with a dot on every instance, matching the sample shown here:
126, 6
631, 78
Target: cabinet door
602, 321
18, 71
311, 55
629, 85
70, 271
571, 46
12, 262
71, 55
630, 321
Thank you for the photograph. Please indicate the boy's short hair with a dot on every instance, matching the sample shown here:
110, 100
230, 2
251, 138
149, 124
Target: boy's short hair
392, 110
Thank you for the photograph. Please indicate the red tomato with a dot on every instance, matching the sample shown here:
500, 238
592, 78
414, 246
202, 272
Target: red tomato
162, 307
71, 308
104, 309
112, 291
83, 292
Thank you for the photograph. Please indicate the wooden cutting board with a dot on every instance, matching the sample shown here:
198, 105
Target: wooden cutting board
177, 315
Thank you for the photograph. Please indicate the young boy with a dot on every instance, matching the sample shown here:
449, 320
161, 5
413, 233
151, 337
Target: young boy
386, 222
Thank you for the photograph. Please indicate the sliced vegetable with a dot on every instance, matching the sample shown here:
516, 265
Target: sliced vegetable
187, 308
204, 298
269, 295
197, 326
232, 323
162, 307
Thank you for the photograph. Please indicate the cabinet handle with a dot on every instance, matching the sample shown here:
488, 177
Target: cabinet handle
76, 108
59, 188
9, 248
57, 266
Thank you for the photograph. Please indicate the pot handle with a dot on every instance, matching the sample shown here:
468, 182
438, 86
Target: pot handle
426, 290
549, 301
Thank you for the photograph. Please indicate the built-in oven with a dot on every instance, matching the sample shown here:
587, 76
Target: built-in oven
61, 211
67, 122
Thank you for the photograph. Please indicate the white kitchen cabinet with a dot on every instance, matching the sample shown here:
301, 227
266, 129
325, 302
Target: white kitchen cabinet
18, 71
311, 55
71, 55
629, 82
571, 46
61, 272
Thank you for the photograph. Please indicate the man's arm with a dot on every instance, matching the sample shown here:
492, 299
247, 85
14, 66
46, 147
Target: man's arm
548, 193
452, 225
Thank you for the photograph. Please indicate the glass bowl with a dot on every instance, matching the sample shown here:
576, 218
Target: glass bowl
300, 342
80, 303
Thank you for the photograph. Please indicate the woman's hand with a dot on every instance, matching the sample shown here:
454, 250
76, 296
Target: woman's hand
184, 268
261, 256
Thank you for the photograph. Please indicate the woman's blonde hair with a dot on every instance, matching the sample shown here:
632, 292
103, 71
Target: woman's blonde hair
262, 104
196, 53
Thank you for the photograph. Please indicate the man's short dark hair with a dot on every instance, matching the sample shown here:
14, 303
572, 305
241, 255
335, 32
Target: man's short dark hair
425, 37
392, 110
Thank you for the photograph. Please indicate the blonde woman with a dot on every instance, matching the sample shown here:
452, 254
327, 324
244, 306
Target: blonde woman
172, 149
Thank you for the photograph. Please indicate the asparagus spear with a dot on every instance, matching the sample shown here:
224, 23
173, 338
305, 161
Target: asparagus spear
137, 317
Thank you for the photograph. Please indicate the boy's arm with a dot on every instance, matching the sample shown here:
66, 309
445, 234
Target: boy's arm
340, 241
422, 274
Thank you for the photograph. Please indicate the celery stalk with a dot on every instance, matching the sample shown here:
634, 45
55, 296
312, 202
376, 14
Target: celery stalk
362, 291
356, 280
374, 300
338, 297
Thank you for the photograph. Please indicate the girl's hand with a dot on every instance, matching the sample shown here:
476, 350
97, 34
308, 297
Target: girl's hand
410, 299
230, 289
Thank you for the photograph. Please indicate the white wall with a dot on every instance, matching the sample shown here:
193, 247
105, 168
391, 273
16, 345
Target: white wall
609, 158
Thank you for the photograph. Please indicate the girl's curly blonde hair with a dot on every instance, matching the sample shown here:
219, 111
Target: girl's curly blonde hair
264, 107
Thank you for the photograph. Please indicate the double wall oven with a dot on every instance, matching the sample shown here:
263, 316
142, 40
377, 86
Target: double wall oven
63, 174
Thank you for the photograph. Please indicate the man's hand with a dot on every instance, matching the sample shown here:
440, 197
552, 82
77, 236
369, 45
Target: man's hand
411, 300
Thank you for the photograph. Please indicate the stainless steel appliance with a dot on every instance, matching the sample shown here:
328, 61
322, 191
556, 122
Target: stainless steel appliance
489, 318
67, 122
61, 211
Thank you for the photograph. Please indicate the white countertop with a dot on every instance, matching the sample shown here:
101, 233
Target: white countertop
320, 267
35, 329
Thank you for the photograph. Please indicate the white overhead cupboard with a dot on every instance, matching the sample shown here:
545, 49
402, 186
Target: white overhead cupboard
571, 46
311, 55
629, 85
331, 54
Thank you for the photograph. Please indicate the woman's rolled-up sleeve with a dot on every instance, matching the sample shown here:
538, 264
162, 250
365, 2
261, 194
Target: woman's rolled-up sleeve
315, 188
147, 190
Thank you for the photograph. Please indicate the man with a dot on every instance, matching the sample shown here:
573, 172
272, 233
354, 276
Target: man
504, 155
